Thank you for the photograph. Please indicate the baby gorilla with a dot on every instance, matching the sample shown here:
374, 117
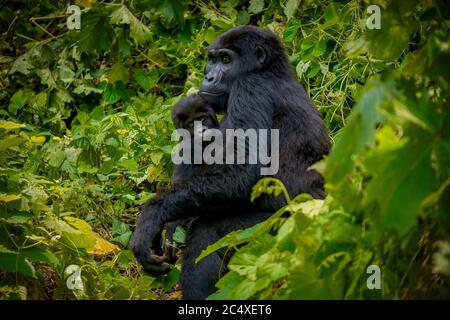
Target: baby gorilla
184, 114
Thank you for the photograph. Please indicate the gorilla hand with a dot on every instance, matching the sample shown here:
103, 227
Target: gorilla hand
146, 242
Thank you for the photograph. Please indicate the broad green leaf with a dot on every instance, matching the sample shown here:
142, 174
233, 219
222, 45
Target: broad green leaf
125, 257
138, 31
359, 133
402, 177
97, 34
13, 262
129, 164
146, 79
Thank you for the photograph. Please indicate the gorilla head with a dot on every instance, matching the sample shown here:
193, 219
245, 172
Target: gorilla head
236, 54
191, 109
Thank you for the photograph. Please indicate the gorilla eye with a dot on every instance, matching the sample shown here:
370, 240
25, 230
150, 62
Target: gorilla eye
226, 59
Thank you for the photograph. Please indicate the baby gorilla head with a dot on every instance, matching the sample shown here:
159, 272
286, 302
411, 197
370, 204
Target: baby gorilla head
184, 115
191, 109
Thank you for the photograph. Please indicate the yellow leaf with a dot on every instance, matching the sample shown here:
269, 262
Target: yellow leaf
9, 197
153, 172
103, 247
156, 157
85, 3
8, 125
122, 131
103, 78
38, 139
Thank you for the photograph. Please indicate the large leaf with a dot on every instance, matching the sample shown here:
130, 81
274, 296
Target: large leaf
96, 32
359, 133
138, 31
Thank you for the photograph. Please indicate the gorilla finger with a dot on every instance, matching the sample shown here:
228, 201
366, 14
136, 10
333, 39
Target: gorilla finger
156, 258
170, 252
156, 268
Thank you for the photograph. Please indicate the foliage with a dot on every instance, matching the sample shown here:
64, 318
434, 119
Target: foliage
85, 140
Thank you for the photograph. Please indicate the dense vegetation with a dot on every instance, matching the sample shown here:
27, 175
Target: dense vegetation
85, 140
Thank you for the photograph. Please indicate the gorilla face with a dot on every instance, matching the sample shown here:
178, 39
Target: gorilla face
228, 63
191, 109
221, 70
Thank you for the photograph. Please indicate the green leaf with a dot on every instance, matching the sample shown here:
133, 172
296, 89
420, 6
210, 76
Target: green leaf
118, 72
138, 31
121, 232
124, 258
290, 32
145, 78
71, 157
66, 75
256, 6
391, 40
96, 33
47, 78
10, 141
320, 48
56, 158
20, 261
14, 217
173, 9
129, 164
359, 133
242, 18
179, 235
23, 64
398, 192
18, 101
13, 262
36, 254
290, 7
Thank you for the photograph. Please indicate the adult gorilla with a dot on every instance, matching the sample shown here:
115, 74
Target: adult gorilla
248, 77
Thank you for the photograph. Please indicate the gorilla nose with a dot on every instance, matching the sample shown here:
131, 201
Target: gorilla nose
209, 78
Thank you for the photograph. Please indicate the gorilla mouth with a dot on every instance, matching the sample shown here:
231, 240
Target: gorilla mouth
211, 93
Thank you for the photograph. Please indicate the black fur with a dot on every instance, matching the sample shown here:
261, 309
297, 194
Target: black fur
261, 94
184, 114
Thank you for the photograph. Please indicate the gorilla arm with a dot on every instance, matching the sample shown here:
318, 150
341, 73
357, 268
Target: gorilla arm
217, 185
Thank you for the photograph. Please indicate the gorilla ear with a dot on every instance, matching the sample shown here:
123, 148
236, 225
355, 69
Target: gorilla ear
260, 54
